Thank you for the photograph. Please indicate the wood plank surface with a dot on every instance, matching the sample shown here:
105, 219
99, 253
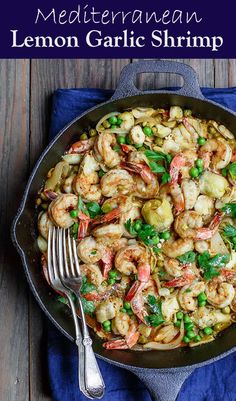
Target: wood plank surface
14, 150
26, 89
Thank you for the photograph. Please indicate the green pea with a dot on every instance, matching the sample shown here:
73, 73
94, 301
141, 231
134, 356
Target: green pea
119, 121
202, 297
199, 163
188, 326
83, 137
190, 334
113, 126
112, 120
111, 281
224, 172
233, 247
137, 225
186, 339
187, 319
92, 132
101, 173
179, 315
108, 328
138, 145
165, 235
201, 141
197, 338
107, 323
155, 240
177, 324
74, 213
147, 131
123, 310
113, 274
130, 312
208, 331
127, 305
201, 303
121, 139
194, 172
200, 170
128, 141
226, 310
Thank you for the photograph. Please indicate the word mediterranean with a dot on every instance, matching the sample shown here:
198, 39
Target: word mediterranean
127, 39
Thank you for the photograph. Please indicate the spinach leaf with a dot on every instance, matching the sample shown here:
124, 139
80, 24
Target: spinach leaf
165, 178
188, 257
150, 154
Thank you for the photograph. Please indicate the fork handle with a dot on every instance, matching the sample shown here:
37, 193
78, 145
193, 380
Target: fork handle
93, 379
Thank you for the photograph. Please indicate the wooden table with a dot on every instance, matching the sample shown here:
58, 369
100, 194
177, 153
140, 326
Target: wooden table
26, 87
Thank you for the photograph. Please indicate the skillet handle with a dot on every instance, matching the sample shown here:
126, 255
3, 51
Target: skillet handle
164, 386
126, 86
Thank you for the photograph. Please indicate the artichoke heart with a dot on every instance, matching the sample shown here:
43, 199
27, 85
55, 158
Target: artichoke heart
158, 213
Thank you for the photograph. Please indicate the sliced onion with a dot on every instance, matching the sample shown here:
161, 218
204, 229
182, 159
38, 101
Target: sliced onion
164, 347
114, 113
150, 120
72, 158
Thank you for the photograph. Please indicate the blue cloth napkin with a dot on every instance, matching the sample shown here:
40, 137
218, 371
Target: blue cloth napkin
215, 382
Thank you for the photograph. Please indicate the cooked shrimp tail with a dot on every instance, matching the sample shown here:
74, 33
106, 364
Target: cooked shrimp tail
81, 146
186, 279
177, 162
112, 215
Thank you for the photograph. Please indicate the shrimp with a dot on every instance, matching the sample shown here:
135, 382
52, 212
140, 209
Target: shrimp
86, 182
147, 184
219, 294
121, 323
177, 162
174, 248
188, 295
190, 192
138, 308
204, 205
117, 182
89, 251
216, 152
109, 231
60, 208
133, 259
105, 143
93, 272
189, 224
107, 261
81, 146
186, 279
109, 216
137, 135
108, 309
67, 186
129, 341
169, 308
174, 267
43, 224
176, 195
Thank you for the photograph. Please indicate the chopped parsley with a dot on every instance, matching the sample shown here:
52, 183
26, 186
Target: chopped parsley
155, 318
230, 208
188, 257
211, 265
154, 158
86, 287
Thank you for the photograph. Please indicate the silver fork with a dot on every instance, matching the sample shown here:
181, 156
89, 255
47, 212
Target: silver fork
72, 279
55, 281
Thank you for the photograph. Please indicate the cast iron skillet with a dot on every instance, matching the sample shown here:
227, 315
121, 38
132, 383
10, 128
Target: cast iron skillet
162, 371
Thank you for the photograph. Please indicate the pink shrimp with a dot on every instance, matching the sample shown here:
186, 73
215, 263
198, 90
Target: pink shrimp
83, 225
175, 191
137, 305
186, 279
112, 215
139, 168
81, 146
107, 261
206, 233
128, 342
176, 164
